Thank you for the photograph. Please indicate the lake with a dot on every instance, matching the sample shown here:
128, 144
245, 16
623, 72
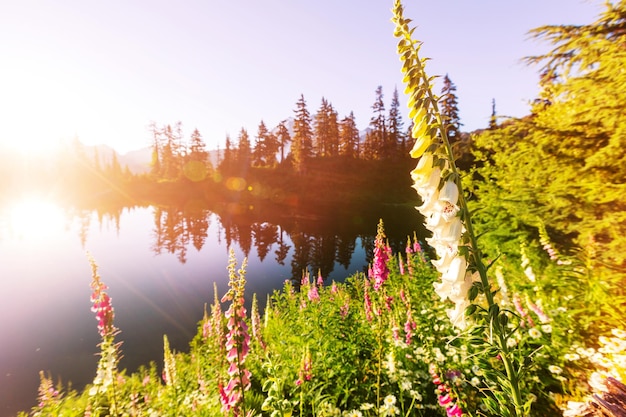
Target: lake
160, 262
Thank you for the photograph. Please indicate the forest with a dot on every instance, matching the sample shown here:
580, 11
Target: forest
516, 310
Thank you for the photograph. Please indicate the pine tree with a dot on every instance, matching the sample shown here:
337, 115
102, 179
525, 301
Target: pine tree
450, 110
493, 121
349, 137
396, 137
283, 137
228, 159
244, 150
376, 141
302, 141
265, 148
155, 163
326, 130
197, 148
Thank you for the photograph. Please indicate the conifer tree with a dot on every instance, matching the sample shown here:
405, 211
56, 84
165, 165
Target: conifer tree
168, 154
493, 123
197, 148
265, 148
326, 130
283, 137
155, 163
450, 110
396, 137
244, 150
228, 157
349, 137
302, 141
376, 141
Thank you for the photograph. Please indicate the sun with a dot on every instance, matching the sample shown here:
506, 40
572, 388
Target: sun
33, 218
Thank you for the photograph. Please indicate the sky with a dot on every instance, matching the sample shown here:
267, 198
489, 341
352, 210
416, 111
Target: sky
102, 71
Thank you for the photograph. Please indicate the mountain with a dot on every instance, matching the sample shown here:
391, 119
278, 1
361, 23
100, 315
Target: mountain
137, 161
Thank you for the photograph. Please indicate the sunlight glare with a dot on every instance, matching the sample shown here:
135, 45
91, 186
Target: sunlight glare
34, 218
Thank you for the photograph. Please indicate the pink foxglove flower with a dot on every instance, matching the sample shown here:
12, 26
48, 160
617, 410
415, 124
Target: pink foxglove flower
237, 339
313, 294
320, 279
109, 349
445, 398
382, 252
305, 373
101, 304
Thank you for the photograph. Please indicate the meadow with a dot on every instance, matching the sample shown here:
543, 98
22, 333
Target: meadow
513, 306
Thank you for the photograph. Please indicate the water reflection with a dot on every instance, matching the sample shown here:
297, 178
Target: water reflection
159, 260
317, 241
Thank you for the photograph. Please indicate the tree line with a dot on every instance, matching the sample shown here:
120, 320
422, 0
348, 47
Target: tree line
296, 141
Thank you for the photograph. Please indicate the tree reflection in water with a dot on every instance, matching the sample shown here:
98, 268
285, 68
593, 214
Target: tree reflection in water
319, 238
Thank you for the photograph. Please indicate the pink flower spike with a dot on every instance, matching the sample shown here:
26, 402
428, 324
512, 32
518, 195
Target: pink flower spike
444, 400
454, 411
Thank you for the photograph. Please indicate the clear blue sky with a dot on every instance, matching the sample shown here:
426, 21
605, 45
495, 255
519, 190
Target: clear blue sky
103, 70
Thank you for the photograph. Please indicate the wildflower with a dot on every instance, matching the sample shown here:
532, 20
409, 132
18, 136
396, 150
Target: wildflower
206, 325
367, 301
444, 398
109, 350
379, 271
421, 144
537, 310
343, 310
523, 313
528, 270
354, 413
305, 373
101, 304
313, 294
320, 279
546, 328
409, 327
237, 339
502, 285
256, 322
571, 356
47, 393
557, 370
169, 364
619, 333
389, 401
454, 411
575, 409
534, 333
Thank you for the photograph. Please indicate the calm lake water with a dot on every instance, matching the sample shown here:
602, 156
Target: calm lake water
160, 263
